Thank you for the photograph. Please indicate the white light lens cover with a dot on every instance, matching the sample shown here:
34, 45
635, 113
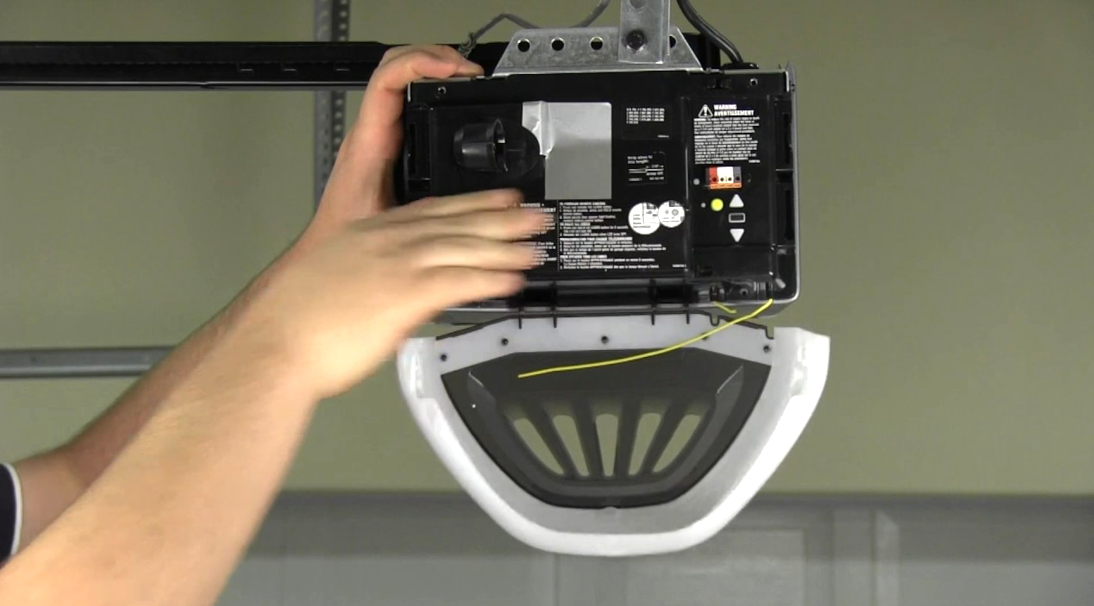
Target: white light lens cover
584, 511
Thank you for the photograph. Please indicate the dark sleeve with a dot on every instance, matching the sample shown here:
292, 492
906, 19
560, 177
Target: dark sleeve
10, 512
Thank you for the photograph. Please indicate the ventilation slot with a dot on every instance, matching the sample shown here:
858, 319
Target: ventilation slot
536, 444
680, 439
607, 440
607, 431
567, 429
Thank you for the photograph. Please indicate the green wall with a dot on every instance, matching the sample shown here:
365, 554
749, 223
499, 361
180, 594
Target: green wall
947, 157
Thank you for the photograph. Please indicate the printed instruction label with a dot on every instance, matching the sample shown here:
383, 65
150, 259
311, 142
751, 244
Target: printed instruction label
646, 168
602, 236
640, 115
725, 133
671, 214
644, 218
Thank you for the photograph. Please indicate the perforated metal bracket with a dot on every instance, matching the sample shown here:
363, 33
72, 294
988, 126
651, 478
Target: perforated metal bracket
579, 50
645, 40
644, 31
622, 489
331, 24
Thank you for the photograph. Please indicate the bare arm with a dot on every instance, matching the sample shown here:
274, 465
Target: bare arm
169, 517
53, 480
167, 520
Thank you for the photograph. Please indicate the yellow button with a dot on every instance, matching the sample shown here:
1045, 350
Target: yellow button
717, 204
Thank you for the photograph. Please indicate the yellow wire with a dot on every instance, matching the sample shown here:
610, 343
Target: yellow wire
651, 354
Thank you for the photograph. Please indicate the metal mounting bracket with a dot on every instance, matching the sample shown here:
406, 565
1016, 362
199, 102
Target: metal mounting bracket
645, 40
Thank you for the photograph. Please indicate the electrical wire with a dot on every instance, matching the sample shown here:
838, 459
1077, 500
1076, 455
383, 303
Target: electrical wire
650, 354
473, 37
710, 32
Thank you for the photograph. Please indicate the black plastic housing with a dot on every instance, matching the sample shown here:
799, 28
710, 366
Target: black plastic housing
683, 125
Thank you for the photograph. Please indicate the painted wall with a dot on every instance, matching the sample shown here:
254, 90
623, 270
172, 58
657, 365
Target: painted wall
948, 224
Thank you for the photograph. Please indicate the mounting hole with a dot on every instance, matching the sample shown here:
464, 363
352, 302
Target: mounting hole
604, 340
504, 342
753, 83
767, 349
444, 357
558, 44
672, 41
524, 46
596, 43
441, 91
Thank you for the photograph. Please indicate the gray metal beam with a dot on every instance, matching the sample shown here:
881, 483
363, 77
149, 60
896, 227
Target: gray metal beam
79, 363
331, 25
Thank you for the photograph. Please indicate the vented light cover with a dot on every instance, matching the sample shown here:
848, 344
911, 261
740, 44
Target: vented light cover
644, 457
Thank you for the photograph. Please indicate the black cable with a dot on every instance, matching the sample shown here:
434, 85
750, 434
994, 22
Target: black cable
473, 38
708, 30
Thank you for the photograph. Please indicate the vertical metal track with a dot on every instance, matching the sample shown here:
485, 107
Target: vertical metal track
331, 25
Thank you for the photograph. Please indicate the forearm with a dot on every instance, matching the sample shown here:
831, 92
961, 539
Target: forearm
166, 522
89, 453
55, 479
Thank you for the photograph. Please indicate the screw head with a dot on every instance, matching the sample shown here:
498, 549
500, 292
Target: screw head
635, 39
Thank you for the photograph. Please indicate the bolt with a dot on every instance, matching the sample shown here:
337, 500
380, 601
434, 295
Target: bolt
636, 39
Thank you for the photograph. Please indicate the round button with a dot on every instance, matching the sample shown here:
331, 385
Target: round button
717, 205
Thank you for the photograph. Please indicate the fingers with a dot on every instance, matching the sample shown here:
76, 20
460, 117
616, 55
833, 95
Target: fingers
460, 204
445, 287
378, 125
440, 50
464, 251
361, 182
507, 225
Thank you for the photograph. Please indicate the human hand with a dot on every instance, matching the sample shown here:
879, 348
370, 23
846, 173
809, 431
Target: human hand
364, 276
360, 184
338, 311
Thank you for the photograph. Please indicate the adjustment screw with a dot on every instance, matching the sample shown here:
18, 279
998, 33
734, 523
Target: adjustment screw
444, 357
504, 342
604, 340
767, 349
636, 39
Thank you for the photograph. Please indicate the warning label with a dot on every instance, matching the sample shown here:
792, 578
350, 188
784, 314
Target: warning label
602, 236
646, 168
726, 133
